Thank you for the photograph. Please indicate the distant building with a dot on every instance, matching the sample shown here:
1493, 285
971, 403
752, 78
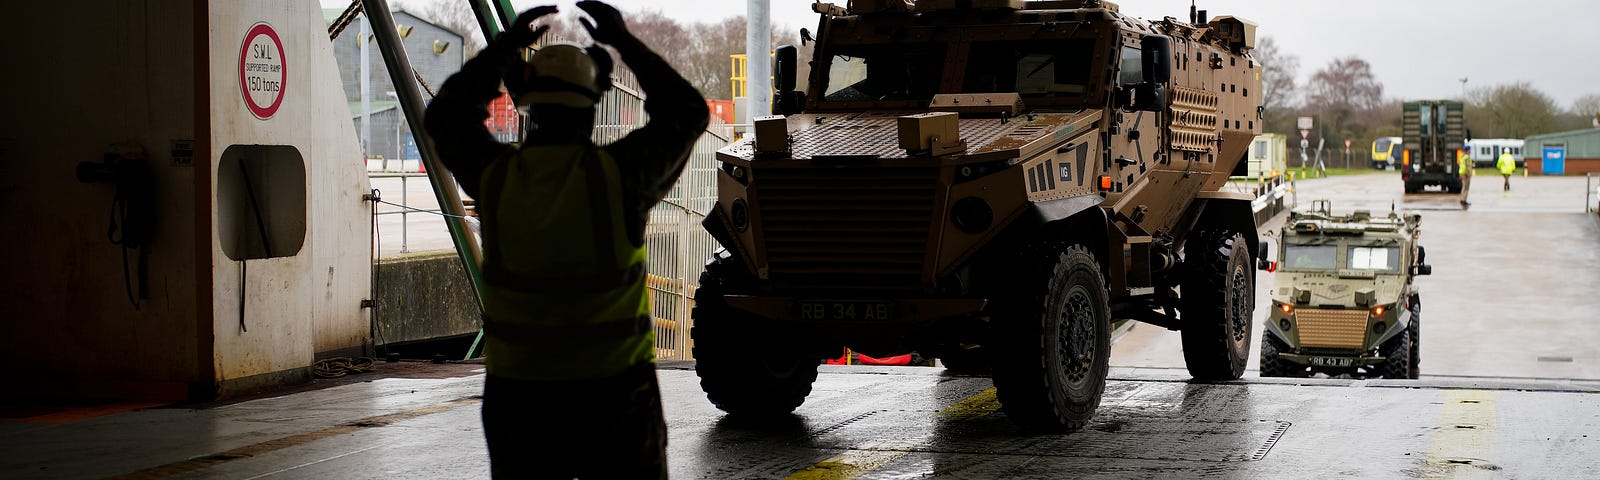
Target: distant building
1564, 153
435, 53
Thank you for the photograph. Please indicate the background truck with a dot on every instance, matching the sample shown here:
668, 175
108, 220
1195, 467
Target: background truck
1344, 301
991, 183
1434, 133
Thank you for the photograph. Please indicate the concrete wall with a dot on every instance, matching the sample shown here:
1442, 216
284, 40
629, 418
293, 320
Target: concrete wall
143, 78
306, 301
423, 297
77, 81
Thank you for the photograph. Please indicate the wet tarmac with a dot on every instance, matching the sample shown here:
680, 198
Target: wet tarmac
876, 422
1512, 290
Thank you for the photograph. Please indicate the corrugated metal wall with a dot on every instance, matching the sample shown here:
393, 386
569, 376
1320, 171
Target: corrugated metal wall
1579, 143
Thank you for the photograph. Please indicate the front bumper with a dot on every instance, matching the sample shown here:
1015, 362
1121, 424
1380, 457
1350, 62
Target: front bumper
905, 310
1354, 360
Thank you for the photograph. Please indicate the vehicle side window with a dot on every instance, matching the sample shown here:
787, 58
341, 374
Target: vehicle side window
1425, 117
1132, 66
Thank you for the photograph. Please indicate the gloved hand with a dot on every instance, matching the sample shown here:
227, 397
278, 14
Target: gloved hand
608, 27
519, 35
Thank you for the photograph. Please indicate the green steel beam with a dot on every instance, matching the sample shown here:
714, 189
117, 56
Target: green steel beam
411, 102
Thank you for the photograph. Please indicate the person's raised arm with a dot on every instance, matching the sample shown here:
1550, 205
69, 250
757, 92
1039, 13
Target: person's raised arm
455, 117
654, 154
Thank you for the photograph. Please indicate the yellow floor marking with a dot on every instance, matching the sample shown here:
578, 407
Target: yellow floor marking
1461, 448
257, 449
868, 457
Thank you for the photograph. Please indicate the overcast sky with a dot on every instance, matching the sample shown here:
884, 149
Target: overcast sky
1418, 48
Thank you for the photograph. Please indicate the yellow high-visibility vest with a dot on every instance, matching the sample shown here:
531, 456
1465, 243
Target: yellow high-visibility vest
1506, 163
564, 286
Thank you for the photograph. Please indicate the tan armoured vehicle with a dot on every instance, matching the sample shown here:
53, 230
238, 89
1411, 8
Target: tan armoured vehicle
1344, 301
993, 183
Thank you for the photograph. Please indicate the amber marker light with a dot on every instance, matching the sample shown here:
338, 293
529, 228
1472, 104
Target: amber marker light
1105, 182
1376, 311
1286, 308
1405, 157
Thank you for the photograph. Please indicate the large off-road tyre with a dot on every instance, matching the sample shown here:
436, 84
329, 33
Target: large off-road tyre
1416, 337
745, 367
1453, 187
1271, 364
1217, 303
1396, 356
965, 360
1412, 187
1052, 333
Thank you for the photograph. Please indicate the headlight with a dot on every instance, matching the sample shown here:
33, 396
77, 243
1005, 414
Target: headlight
740, 213
972, 215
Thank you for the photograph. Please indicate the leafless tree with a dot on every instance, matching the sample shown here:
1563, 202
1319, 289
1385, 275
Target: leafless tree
1347, 97
1511, 111
1585, 113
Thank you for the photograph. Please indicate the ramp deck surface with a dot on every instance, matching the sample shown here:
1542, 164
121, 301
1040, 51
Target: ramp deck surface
878, 422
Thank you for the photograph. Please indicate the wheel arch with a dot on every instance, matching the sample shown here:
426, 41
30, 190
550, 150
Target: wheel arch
1234, 214
1078, 219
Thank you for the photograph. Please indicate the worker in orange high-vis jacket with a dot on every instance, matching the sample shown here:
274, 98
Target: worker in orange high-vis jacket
571, 389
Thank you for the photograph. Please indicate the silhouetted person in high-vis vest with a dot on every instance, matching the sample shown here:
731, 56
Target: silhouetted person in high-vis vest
571, 388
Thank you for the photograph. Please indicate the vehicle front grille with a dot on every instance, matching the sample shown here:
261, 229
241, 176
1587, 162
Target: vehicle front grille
1332, 328
846, 228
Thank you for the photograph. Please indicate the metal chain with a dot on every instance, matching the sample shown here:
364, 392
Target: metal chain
350, 14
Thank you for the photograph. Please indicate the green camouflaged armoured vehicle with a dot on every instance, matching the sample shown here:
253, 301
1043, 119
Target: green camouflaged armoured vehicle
1344, 301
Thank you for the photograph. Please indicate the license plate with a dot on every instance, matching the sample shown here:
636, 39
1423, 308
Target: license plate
834, 310
1330, 361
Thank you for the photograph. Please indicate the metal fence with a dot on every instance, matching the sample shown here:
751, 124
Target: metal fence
678, 247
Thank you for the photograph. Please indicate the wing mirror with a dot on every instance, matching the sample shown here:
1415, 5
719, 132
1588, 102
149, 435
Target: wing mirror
786, 100
1157, 56
1422, 268
1266, 259
1156, 64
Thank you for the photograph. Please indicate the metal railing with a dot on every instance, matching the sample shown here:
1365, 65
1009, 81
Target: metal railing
405, 207
1591, 193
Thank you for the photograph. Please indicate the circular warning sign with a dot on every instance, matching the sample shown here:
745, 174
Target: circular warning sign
261, 71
